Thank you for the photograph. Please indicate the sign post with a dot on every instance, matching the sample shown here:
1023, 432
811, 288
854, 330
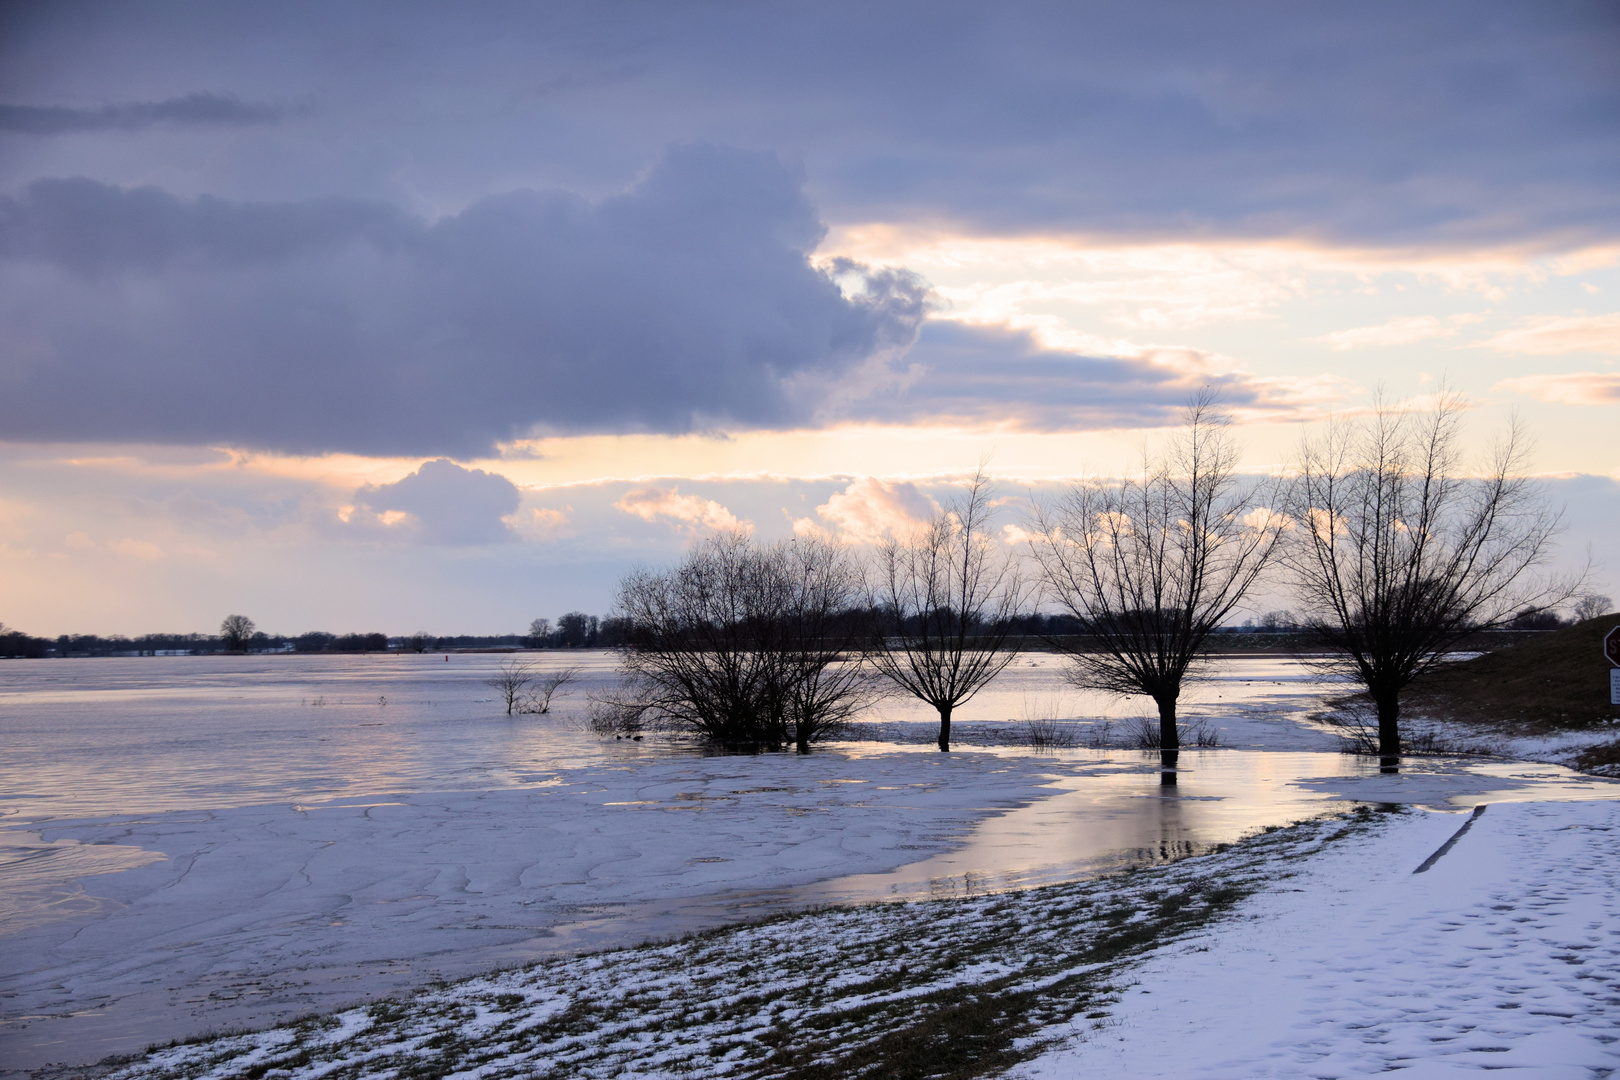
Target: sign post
1611, 649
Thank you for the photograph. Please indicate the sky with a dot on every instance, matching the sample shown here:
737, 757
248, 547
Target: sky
399, 316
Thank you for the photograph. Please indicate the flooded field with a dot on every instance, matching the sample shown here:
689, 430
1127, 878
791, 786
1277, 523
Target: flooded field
189, 843
168, 733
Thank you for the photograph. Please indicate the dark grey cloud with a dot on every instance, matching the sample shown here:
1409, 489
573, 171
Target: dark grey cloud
209, 110
94, 230
995, 376
686, 303
449, 504
1447, 122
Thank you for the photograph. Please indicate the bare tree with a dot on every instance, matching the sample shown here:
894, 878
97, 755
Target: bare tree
539, 633
1591, 605
1398, 555
1153, 565
236, 631
511, 681
948, 595
544, 685
817, 633
418, 642
576, 629
742, 644
689, 657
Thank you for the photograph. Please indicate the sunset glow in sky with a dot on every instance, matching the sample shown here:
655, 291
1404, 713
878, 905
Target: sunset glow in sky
400, 316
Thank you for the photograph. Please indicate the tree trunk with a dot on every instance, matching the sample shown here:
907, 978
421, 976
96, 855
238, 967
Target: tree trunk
1389, 733
1167, 767
1169, 737
945, 727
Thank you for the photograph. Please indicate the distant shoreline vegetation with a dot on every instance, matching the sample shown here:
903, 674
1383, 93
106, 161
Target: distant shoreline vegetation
18, 645
1032, 634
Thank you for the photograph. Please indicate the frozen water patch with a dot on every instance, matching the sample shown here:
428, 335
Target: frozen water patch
261, 912
42, 880
302, 856
839, 992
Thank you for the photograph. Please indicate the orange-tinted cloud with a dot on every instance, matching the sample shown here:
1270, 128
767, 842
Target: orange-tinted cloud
1575, 388
689, 511
1551, 337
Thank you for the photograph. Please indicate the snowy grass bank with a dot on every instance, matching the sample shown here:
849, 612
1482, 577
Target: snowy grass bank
1502, 960
952, 988
1593, 749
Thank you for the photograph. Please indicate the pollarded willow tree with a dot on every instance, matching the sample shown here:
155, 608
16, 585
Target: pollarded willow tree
746, 644
1154, 564
1399, 553
948, 595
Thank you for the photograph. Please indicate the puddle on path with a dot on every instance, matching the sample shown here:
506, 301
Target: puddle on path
1131, 813
1112, 818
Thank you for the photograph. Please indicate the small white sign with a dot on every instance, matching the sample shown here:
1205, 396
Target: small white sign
1614, 686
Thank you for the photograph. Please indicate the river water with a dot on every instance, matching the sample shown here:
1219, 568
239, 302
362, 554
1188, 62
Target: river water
188, 843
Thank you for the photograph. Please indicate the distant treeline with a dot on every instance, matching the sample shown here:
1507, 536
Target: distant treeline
16, 644
591, 633
571, 631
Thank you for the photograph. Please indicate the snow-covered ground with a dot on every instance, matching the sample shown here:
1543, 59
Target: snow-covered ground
1555, 748
1503, 958
847, 992
1316, 951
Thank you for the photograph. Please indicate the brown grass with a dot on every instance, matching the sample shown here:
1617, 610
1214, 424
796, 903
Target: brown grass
1603, 759
1557, 681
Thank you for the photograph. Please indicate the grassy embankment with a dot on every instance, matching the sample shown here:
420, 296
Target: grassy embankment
1543, 685
942, 989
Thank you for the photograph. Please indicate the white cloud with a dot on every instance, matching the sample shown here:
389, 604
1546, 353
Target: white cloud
869, 510
693, 511
1401, 331
1143, 287
1265, 518
542, 523
1017, 536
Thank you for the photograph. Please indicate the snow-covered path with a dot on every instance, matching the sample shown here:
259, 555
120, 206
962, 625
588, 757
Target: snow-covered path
1504, 957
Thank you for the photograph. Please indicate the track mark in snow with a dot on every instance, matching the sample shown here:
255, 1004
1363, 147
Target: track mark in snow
1449, 844
1373, 970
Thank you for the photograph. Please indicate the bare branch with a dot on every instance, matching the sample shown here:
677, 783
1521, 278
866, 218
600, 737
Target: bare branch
745, 644
545, 685
510, 681
1153, 565
1400, 556
948, 596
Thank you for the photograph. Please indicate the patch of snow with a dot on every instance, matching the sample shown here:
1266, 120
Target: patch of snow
1503, 958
